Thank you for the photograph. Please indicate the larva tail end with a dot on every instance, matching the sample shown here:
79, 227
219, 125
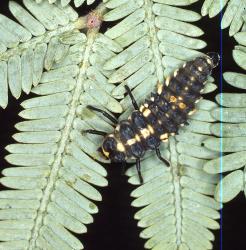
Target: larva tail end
214, 57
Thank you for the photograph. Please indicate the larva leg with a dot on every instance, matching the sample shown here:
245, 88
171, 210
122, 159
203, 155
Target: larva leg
138, 166
158, 153
134, 103
94, 132
110, 117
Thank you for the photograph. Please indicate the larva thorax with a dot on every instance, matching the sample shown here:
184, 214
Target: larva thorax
162, 114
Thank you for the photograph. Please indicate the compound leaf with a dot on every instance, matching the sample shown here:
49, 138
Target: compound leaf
55, 168
175, 204
230, 130
233, 16
33, 44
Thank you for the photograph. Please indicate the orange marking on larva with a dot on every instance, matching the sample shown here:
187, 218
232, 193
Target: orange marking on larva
106, 153
182, 105
145, 133
120, 147
209, 61
173, 98
141, 109
150, 128
164, 137
146, 112
137, 138
131, 141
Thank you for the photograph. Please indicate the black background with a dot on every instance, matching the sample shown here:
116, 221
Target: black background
114, 227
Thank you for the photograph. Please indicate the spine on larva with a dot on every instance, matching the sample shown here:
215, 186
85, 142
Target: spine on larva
162, 115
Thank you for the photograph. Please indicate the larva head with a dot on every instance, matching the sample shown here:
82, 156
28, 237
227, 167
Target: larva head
112, 149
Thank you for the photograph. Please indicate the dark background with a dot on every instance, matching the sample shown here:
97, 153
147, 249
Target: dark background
114, 226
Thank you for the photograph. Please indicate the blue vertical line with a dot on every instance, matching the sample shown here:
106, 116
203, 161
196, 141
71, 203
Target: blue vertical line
221, 124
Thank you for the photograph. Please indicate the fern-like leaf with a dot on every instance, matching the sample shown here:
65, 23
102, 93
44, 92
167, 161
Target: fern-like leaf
232, 141
32, 44
178, 207
233, 17
55, 168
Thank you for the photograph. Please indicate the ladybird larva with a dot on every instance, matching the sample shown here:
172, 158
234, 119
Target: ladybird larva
160, 116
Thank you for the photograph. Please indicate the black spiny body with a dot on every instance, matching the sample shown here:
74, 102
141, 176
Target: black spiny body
160, 116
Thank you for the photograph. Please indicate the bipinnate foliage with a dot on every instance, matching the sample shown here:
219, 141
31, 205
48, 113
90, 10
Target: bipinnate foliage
33, 44
233, 16
177, 208
57, 166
